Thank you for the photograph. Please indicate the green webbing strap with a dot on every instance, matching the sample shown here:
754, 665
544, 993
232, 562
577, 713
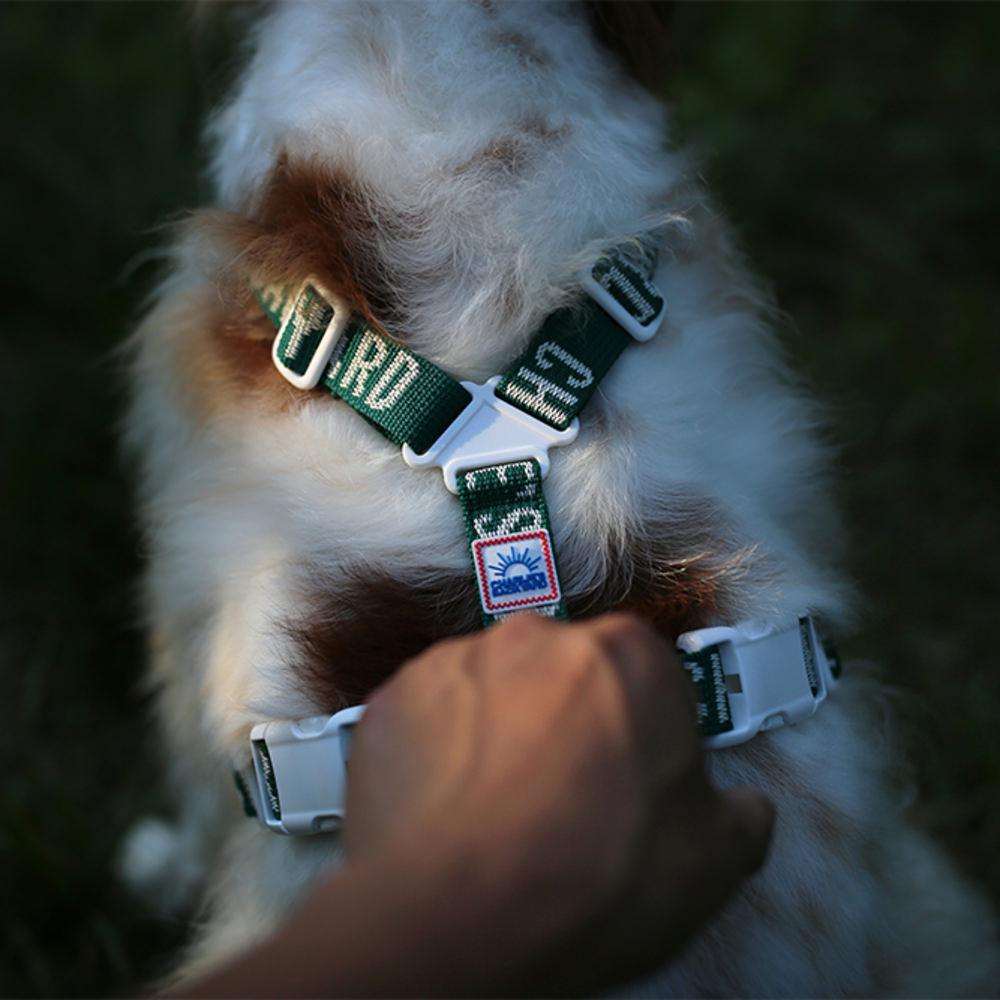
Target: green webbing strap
274, 301
576, 347
553, 379
507, 525
410, 400
631, 288
704, 668
413, 402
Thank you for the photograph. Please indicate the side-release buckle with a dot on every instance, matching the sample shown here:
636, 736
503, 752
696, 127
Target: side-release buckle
489, 431
625, 294
300, 773
773, 676
310, 324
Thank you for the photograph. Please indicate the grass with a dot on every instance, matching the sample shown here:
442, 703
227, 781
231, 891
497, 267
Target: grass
857, 149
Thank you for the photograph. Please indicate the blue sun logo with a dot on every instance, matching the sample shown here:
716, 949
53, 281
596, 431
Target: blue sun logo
514, 558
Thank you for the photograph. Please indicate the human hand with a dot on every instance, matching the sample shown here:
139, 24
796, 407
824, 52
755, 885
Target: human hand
556, 774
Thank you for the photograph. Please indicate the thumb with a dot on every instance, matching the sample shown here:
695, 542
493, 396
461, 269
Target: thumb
751, 822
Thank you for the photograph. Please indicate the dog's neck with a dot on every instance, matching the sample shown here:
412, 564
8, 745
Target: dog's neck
386, 130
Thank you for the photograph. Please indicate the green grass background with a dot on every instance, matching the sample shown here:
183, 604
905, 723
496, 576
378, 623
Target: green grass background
856, 148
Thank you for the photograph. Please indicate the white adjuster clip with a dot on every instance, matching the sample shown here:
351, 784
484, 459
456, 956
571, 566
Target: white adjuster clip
312, 323
300, 775
643, 319
489, 432
774, 677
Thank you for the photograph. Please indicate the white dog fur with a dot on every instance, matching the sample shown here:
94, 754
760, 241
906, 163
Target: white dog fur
463, 160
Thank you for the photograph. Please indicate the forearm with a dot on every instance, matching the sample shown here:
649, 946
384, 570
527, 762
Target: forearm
528, 813
418, 921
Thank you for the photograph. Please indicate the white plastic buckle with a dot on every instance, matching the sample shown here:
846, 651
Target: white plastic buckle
300, 768
300, 771
767, 672
321, 356
637, 328
489, 432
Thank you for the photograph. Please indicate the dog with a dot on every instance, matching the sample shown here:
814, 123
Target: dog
450, 176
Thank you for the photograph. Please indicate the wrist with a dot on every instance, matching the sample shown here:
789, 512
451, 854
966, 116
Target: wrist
451, 910
420, 917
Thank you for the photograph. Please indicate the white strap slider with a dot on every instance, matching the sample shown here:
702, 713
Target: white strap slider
625, 295
311, 325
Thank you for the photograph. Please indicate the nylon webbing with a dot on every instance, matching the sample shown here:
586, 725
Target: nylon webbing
410, 400
507, 525
629, 287
553, 379
704, 668
274, 300
413, 402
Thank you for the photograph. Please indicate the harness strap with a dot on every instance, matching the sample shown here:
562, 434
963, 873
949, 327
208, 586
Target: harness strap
406, 397
555, 377
560, 369
492, 443
507, 525
704, 670
465, 427
409, 399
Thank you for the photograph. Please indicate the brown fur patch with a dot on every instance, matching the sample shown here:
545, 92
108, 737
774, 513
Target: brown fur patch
675, 597
680, 574
222, 357
356, 635
350, 642
309, 221
507, 152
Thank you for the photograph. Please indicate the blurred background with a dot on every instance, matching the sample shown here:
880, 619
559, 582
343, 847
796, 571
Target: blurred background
856, 148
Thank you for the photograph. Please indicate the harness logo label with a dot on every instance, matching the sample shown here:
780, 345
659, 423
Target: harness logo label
515, 571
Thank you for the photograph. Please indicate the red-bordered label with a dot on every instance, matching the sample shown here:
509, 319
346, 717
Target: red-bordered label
515, 571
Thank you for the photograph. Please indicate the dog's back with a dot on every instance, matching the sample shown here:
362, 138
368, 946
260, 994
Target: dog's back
447, 169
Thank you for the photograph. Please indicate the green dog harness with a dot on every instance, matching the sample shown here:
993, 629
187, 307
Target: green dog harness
491, 442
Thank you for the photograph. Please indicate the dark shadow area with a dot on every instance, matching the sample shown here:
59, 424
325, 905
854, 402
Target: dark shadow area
856, 148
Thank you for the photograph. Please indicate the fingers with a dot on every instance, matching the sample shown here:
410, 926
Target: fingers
569, 756
646, 663
658, 694
664, 708
751, 823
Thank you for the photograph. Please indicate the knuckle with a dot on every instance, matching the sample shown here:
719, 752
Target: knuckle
520, 638
623, 624
631, 636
